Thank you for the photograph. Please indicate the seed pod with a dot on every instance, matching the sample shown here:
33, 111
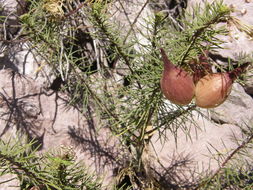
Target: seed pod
200, 67
213, 89
176, 84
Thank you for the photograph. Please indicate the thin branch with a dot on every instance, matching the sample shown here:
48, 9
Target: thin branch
218, 18
75, 10
135, 20
4, 25
174, 115
60, 59
113, 42
230, 156
128, 19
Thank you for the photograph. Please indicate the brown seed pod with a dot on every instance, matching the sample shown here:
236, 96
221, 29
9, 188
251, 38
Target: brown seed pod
213, 89
176, 84
200, 67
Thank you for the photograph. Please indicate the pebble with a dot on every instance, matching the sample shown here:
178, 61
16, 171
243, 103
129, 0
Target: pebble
243, 11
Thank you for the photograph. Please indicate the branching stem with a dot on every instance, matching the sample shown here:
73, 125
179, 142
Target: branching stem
228, 158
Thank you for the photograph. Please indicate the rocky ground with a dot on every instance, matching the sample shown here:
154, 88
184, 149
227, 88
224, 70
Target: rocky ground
45, 114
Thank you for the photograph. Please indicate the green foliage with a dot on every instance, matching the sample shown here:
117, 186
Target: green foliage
132, 108
48, 171
199, 33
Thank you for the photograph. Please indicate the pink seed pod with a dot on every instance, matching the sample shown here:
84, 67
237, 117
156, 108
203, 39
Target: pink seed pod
213, 89
176, 84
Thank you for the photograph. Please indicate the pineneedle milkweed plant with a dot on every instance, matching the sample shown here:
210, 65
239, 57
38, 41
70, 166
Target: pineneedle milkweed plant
118, 73
52, 170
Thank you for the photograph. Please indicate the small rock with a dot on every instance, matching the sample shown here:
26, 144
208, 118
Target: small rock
243, 11
248, 87
10, 185
195, 149
237, 109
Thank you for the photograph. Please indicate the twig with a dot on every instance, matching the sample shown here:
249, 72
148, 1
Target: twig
60, 60
4, 25
67, 68
173, 20
113, 42
175, 115
241, 146
96, 51
128, 19
10, 25
23, 5
199, 31
15, 41
135, 20
75, 11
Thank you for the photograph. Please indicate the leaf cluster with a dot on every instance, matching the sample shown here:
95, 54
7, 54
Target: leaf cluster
54, 171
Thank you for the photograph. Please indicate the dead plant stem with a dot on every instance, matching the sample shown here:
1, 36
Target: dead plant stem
230, 156
135, 20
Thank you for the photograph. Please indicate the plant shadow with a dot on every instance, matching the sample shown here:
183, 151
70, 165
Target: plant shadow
180, 174
101, 146
21, 108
